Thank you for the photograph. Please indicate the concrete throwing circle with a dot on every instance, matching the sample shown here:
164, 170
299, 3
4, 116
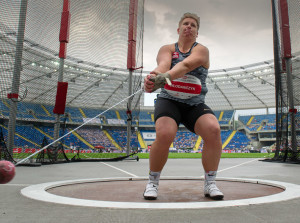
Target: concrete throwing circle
174, 192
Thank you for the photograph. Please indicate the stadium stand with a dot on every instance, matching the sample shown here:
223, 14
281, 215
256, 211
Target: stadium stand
238, 142
185, 139
259, 122
120, 137
96, 137
90, 137
225, 117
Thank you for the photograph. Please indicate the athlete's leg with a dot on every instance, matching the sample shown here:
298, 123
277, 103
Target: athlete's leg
166, 129
208, 127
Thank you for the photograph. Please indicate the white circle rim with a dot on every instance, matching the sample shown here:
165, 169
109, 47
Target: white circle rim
39, 192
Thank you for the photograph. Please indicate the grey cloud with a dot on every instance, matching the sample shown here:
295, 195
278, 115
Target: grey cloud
230, 28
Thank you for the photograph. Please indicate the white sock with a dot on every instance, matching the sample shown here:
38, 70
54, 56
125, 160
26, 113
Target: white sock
210, 176
154, 177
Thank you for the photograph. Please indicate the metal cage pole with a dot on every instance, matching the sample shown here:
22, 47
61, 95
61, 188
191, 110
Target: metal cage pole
129, 119
287, 56
131, 62
291, 103
277, 75
63, 39
16, 76
57, 116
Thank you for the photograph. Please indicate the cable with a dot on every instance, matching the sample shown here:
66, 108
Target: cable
45, 147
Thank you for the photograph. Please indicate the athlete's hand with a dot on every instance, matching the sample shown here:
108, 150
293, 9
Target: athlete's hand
159, 80
148, 85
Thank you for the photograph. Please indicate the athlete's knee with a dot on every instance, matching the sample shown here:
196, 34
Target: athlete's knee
215, 129
212, 131
166, 128
165, 134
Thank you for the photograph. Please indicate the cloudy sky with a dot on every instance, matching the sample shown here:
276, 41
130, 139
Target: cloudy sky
236, 32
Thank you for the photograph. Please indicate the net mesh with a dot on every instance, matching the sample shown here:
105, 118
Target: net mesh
95, 69
288, 93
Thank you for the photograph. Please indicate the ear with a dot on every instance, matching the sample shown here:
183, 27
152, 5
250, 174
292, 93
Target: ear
178, 30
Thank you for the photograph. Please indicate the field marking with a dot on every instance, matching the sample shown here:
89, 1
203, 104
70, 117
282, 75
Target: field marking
16, 185
131, 174
39, 192
250, 161
228, 168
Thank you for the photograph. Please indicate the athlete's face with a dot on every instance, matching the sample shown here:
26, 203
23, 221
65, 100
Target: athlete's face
188, 28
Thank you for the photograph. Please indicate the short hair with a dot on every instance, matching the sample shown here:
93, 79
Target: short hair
190, 15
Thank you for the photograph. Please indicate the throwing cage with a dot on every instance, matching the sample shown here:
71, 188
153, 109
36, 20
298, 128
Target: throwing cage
286, 23
70, 63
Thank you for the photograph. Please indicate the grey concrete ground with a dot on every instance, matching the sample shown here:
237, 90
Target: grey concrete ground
14, 207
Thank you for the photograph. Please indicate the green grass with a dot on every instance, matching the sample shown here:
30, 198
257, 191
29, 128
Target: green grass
146, 155
199, 155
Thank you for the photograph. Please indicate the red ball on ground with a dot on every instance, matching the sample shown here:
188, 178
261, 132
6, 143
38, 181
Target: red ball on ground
7, 171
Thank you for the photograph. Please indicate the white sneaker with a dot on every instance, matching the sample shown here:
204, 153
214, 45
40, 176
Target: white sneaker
151, 191
211, 190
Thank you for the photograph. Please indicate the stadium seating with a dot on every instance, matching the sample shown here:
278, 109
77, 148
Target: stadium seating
238, 142
185, 139
96, 137
259, 122
45, 113
120, 136
32, 138
92, 136
226, 117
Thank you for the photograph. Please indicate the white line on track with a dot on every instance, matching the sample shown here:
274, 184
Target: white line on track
250, 161
39, 192
131, 174
16, 185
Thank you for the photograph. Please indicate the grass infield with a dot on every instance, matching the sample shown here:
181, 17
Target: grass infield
199, 155
146, 155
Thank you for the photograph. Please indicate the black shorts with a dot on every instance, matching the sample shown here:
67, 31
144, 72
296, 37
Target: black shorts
182, 113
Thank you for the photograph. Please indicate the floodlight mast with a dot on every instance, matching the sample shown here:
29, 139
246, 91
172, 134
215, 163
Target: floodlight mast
16, 76
131, 63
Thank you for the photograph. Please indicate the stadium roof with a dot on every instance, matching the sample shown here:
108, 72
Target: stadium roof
96, 86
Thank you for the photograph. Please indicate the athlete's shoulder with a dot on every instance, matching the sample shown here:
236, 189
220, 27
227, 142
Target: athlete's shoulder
202, 52
199, 46
170, 47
